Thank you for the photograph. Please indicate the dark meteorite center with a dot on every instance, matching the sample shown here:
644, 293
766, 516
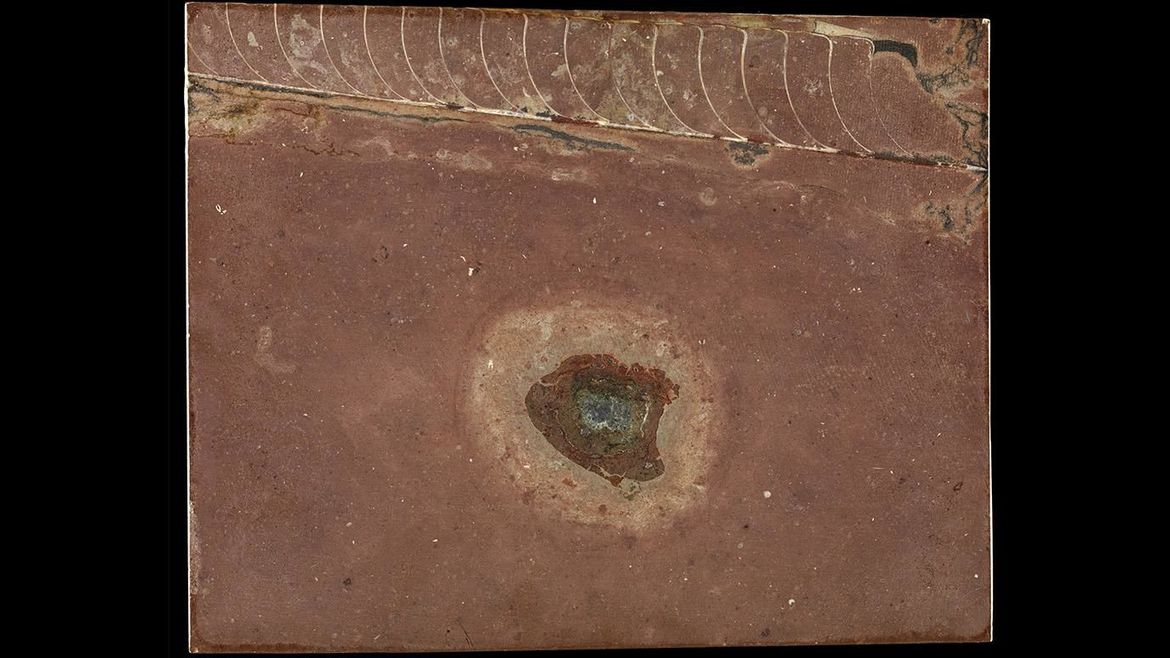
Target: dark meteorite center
603, 415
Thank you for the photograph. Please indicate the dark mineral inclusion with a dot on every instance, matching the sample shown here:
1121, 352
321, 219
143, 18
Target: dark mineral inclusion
603, 415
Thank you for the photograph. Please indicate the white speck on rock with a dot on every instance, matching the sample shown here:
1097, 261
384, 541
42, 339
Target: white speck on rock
767, 494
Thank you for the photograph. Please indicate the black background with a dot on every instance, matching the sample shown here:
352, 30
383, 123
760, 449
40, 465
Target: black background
1007, 598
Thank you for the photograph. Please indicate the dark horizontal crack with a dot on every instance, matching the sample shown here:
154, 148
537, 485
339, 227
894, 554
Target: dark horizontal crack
571, 140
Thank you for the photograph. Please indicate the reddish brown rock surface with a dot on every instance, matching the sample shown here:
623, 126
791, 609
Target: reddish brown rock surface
400, 220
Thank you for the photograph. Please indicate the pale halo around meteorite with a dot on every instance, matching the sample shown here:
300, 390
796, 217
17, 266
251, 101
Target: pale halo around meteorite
520, 346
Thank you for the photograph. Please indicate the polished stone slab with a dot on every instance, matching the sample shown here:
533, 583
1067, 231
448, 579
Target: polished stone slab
403, 220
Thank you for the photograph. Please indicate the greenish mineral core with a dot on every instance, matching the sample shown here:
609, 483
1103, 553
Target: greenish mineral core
610, 417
